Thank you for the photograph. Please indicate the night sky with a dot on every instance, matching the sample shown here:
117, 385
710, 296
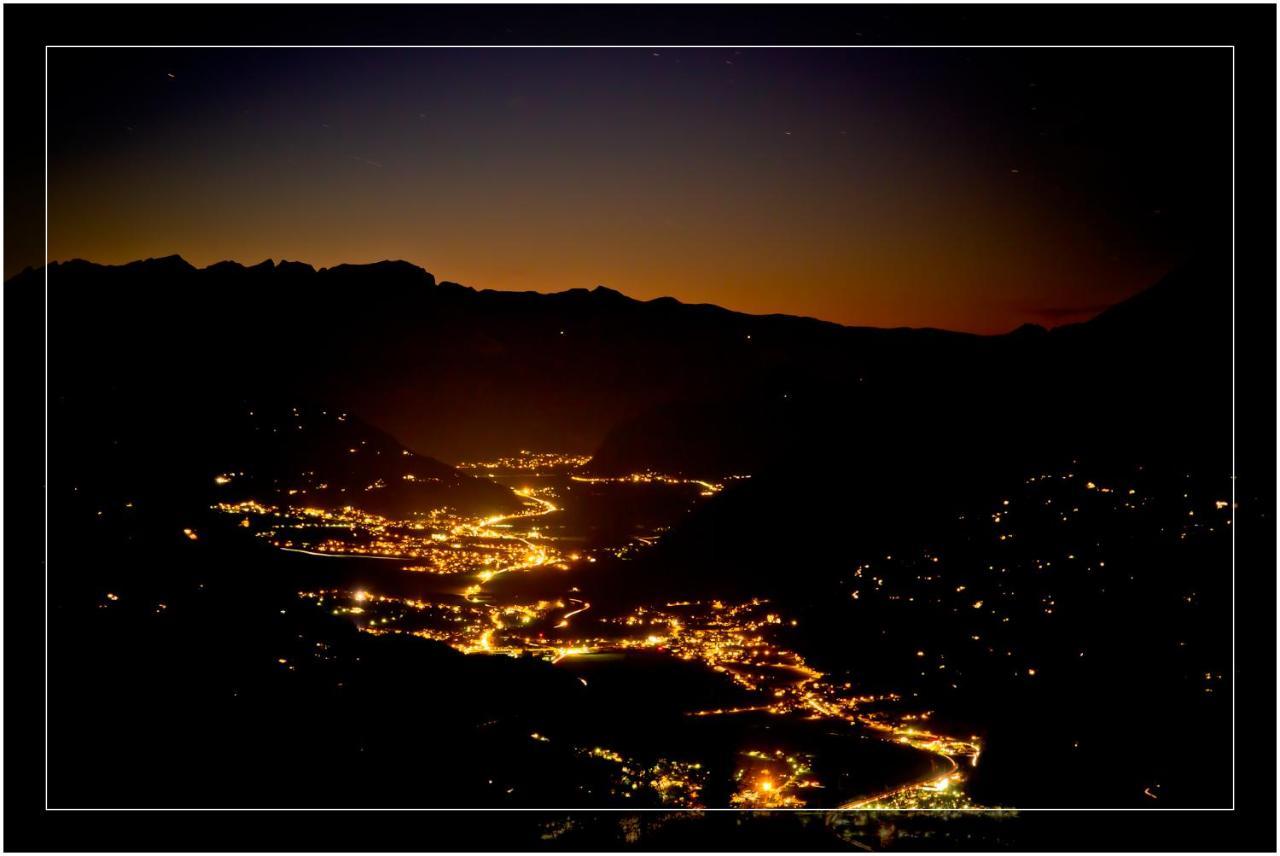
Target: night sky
960, 188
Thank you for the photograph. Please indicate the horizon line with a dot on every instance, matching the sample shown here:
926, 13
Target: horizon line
1086, 314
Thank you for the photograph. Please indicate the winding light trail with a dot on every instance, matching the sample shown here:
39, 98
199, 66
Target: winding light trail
482, 530
728, 640
863, 801
340, 555
564, 621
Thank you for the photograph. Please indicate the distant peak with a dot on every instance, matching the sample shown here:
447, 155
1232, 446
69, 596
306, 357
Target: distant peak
219, 267
608, 293
384, 265
397, 267
174, 262
163, 265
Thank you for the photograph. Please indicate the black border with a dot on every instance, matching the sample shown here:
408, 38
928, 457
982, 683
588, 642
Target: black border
1250, 28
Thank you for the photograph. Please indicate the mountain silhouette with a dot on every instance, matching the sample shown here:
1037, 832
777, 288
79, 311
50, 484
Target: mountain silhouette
464, 373
1149, 372
509, 369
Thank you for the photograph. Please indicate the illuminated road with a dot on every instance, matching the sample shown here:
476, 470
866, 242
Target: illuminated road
933, 781
340, 555
536, 557
741, 641
564, 621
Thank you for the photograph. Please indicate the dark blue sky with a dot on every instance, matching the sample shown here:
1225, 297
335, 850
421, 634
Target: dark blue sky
970, 189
